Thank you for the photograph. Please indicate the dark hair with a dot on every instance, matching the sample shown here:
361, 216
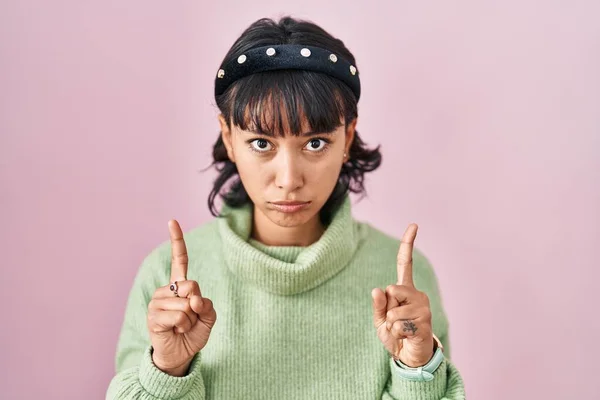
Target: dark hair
322, 99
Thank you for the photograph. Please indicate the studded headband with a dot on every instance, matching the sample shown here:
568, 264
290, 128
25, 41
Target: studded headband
287, 56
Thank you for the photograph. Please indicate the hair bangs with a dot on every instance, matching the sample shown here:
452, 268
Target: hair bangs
274, 103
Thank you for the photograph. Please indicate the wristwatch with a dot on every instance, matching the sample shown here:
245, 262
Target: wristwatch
424, 373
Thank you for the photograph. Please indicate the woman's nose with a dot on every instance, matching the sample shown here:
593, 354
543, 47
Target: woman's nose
288, 174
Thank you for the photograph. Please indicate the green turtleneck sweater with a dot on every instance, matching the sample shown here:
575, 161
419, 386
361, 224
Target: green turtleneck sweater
293, 323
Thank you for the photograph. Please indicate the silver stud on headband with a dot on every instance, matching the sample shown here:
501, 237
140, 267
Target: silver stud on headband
333, 58
353, 70
270, 51
221, 73
305, 52
241, 59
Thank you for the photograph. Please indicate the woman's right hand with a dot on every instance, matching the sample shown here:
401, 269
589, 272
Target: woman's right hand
179, 325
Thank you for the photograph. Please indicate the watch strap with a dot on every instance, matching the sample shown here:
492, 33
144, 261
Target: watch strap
424, 373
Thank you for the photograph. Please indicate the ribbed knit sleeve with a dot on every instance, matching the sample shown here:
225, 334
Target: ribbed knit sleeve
137, 377
447, 384
148, 382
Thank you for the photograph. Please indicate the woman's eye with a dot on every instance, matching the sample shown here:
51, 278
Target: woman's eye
260, 145
316, 145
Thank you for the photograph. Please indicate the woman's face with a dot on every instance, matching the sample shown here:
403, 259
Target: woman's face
301, 169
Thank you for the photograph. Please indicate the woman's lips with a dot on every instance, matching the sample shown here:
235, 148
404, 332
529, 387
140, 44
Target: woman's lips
290, 206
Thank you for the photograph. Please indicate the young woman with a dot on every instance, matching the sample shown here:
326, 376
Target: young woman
279, 297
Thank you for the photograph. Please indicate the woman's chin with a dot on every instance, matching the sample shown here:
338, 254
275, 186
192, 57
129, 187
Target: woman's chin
287, 220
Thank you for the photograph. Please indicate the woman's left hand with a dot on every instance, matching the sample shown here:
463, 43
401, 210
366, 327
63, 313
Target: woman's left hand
405, 310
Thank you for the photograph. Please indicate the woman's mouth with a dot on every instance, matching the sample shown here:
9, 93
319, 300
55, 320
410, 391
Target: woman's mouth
289, 206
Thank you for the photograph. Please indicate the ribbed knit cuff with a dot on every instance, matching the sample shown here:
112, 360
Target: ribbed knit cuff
403, 388
164, 386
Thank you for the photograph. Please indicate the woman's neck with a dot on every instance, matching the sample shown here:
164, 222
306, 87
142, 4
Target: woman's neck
267, 232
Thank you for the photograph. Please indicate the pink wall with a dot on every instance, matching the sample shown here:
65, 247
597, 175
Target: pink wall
489, 117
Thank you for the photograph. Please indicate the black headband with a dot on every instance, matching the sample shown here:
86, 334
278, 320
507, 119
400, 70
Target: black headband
287, 56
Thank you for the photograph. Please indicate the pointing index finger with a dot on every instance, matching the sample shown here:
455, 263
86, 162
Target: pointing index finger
179, 256
404, 262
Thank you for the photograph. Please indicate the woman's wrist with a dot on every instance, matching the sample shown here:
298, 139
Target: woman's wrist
179, 371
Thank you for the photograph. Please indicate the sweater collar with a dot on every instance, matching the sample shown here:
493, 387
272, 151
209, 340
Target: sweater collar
286, 270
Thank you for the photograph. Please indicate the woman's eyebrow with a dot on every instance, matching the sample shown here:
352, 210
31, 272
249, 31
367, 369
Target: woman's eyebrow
309, 133
313, 133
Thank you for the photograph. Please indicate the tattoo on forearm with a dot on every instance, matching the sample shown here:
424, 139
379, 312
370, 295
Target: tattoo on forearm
409, 327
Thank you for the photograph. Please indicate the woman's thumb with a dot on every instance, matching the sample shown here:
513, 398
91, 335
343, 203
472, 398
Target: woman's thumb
204, 308
379, 301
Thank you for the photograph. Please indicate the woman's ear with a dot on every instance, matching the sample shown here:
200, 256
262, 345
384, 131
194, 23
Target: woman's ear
226, 136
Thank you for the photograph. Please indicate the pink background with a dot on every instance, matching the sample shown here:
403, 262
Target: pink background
489, 117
